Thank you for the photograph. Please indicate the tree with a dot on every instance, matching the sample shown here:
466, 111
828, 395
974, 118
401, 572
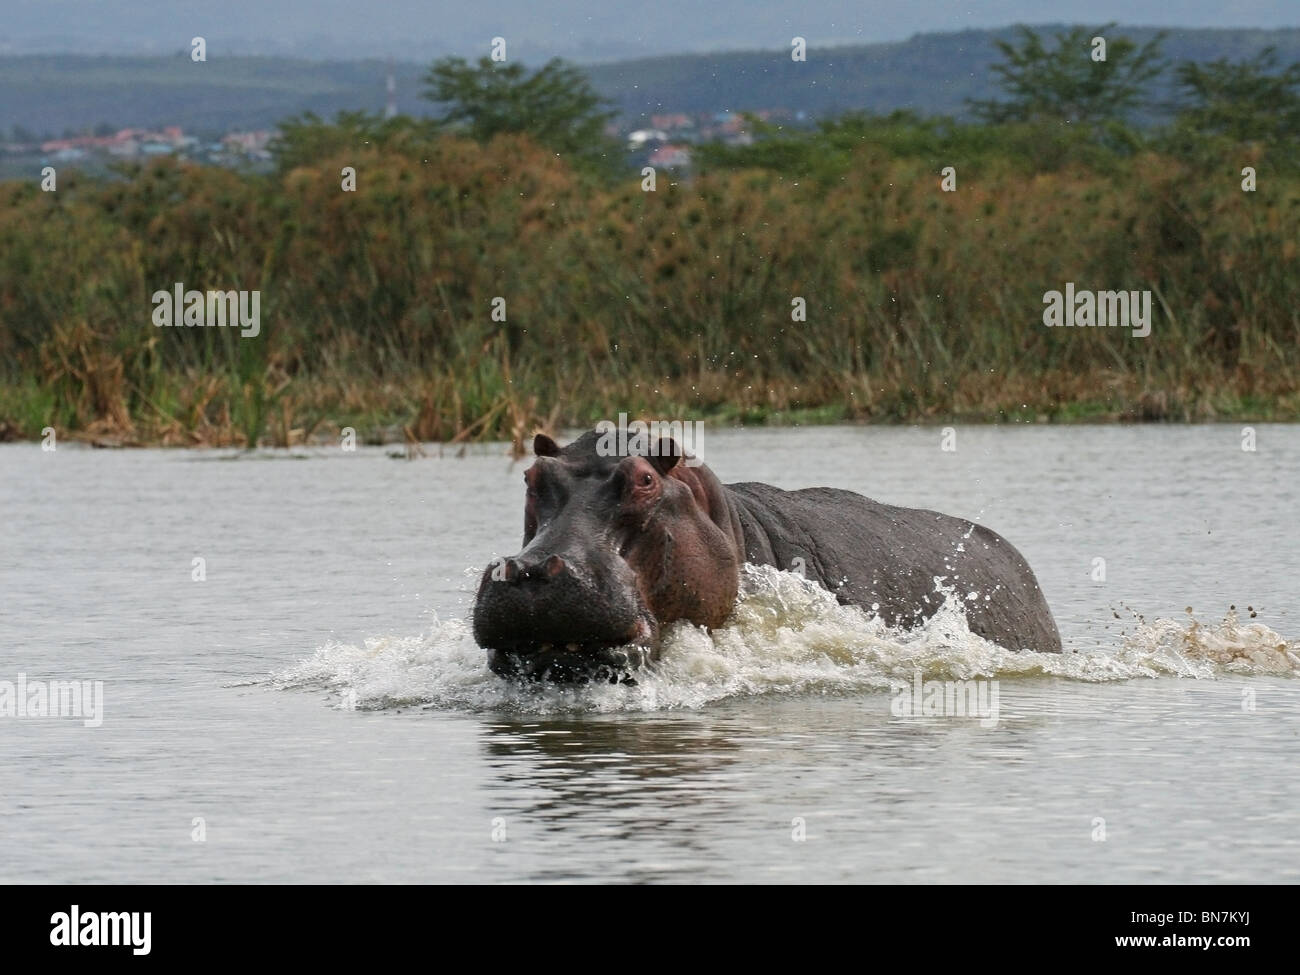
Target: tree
1248, 100
1065, 84
555, 105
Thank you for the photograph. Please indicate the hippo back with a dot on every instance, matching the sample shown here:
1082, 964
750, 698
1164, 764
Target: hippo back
886, 559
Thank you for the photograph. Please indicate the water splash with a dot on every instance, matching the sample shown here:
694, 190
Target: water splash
787, 635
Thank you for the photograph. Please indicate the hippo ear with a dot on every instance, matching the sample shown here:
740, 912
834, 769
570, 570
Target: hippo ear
665, 455
544, 446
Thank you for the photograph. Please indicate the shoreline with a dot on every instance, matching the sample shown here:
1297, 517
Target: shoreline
388, 432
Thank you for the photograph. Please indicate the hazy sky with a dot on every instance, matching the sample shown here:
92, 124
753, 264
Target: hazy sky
582, 29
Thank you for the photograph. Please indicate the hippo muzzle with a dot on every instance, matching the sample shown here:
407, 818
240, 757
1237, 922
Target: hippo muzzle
548, 616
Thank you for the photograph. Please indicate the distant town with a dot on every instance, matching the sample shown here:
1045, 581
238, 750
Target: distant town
127, 145
665, 143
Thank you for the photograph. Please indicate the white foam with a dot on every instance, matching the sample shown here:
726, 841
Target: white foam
787, 635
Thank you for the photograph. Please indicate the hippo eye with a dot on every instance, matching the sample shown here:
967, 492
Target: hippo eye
647, 479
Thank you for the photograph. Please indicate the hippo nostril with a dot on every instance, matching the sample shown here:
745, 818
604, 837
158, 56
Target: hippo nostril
510, 571
555, 566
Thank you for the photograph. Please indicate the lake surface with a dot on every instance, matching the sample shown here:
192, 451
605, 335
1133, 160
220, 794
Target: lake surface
314, 709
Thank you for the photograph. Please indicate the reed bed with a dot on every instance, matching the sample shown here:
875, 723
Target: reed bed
377, 305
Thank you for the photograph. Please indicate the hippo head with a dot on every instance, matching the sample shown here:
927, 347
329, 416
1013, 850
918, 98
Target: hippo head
615, 547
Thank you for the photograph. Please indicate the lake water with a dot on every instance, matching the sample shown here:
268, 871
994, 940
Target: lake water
314, 709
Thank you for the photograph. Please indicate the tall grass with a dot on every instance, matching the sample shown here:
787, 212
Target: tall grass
377, 305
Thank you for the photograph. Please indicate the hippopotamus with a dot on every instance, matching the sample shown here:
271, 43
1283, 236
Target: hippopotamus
616, 547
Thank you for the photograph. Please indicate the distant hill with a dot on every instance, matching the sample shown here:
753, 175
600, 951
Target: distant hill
929, 73
53, 92
933, 74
